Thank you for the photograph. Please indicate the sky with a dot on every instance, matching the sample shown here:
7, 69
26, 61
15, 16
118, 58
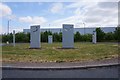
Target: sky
21, 15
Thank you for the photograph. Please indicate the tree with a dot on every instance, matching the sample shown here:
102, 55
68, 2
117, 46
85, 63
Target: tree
7, 37
44, 36
56, 37
100, 34
21, 37
28, 36
49, 33
109, 36
77, 37
117, 33
87, 37
60, 36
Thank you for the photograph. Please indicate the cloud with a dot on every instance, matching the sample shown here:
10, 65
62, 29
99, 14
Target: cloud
1, 29
12, 17
108, 5
56, 7
92, 14
92, 20
33, 20
78, 11
106, 15
5, 10
74, 5
69, 20
81, 4
27, 19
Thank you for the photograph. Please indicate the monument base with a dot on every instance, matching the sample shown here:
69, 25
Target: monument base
34, 48
66, 48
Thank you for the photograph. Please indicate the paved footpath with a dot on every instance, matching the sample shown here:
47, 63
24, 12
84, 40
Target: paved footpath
59, 66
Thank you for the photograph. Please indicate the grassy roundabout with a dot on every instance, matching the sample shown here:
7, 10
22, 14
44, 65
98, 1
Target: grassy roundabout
52, 53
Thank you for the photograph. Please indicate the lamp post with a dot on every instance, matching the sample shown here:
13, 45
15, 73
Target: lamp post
8, 29
8, 25
50, 37
84, 28
49, 27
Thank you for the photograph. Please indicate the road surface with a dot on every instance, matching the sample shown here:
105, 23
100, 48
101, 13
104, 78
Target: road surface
105, 72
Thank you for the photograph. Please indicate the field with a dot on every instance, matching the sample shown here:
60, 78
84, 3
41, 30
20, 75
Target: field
53, 53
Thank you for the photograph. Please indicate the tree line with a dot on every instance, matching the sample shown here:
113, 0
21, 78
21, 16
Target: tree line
57, 37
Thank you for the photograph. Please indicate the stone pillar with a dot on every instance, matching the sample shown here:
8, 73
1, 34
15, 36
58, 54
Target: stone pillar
35, 36
13, 37
50, 40
68, 36
94, 39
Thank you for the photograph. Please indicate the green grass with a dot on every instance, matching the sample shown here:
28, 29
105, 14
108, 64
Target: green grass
51, 53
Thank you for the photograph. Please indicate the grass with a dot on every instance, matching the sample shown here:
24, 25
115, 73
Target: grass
51, 53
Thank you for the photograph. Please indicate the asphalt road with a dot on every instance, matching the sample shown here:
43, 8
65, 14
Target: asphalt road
105, 72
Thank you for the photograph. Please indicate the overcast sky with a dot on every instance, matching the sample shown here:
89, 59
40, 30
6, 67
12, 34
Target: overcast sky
54, 14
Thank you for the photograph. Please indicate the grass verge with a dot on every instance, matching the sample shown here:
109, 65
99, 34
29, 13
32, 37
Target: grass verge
52, 53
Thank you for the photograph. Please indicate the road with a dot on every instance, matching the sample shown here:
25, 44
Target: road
105, 72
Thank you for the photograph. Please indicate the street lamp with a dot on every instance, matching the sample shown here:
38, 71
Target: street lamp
50, 40
8, 29
84, 28
49, 27
8, 25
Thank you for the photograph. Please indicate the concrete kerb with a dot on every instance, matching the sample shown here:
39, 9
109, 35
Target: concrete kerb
60, 68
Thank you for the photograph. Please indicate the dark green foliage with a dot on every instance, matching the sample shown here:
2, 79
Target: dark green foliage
44, 36
60, 36
77, 37
7, 37
86, 37
100, 34
117, 33
21, 37
109, 36
57, 37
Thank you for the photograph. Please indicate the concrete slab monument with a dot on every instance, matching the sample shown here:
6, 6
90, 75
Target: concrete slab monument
68, 36
13, 37
94, 39
50, 39
35, 36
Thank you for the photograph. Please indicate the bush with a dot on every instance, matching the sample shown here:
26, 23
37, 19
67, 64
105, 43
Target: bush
109, 36
57, 37
87, 37
100, 34
77, 37
117, 33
